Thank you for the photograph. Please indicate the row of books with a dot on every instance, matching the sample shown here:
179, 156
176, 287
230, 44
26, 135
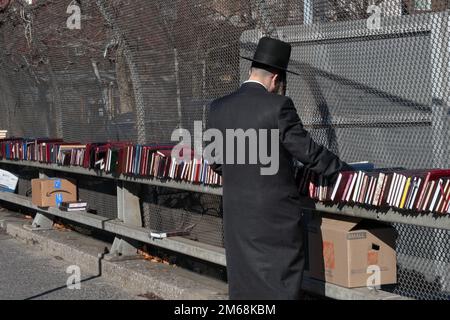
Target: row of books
152, 160
418, 190
157, 161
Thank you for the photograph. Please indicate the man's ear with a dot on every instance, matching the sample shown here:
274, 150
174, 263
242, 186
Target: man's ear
275, 78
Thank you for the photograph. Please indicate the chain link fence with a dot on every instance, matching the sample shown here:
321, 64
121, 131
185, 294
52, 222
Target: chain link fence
373, 85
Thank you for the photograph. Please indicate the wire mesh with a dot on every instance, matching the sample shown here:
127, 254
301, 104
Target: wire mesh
373, 85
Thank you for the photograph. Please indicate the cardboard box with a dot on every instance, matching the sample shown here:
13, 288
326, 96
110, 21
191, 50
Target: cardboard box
346, 251
52, 192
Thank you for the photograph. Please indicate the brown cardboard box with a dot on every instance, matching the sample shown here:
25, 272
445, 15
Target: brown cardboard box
341, 249
51, 192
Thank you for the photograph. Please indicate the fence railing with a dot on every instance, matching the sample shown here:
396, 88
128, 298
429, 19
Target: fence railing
127, 229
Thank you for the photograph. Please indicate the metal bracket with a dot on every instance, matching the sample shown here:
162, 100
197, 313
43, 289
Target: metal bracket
129, 212
40, 223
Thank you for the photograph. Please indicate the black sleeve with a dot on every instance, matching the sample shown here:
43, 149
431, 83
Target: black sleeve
301, 146
217, 168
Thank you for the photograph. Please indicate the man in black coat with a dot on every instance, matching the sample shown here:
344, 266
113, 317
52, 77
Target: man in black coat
262, 215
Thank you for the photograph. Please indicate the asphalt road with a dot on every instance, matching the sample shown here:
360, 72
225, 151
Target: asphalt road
28, 273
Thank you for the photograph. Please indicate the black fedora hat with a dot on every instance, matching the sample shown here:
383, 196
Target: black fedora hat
273, 53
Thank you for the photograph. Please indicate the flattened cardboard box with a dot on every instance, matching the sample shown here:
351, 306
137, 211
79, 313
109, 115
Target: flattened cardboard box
346, 251
52, 192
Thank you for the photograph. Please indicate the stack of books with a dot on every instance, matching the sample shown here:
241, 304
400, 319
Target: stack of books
424, 190
152, 160
73, 206
3, 134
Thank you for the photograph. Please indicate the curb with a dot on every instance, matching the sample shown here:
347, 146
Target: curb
139, 277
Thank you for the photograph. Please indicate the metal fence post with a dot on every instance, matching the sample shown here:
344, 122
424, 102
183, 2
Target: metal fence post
129, 212
440, 103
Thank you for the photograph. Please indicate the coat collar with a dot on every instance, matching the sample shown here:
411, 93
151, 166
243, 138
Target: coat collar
253, 85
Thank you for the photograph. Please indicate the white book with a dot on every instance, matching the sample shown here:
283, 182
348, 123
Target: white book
436, 194
108, 164
442, 197
394, 187
336, 186
357, 185
128, 160
183, 170
170, 169
350, 189
397, 190
174, 170
194, 165
391, 189
74, 209
400, 191
352, 186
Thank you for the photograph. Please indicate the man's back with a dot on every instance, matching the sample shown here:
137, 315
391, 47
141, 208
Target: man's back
254, 111
262, 215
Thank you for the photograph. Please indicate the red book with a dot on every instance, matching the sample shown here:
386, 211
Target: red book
142, 164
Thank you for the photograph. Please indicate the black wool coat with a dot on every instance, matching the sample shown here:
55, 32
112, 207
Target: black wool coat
262, 215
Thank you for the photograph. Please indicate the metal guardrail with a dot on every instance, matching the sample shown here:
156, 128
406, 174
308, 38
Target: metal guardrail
149, 181
384, 215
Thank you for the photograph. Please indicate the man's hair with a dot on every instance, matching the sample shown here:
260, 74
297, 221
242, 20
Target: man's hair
263, 71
